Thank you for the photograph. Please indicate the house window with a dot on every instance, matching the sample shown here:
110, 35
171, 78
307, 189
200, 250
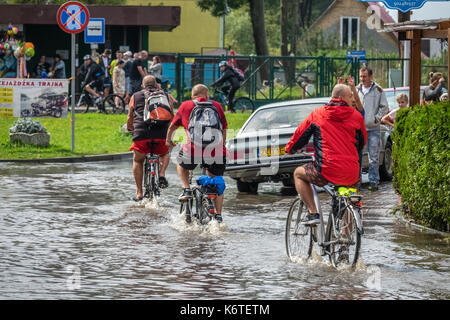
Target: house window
426, 48
350, 32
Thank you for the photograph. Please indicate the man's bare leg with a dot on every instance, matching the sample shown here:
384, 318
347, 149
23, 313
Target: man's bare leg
304, 189
184, 176
138, 171
163, 164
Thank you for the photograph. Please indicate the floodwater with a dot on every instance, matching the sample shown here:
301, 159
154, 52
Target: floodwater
69, 231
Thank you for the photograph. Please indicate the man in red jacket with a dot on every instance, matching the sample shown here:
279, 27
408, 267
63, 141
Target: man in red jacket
339, 133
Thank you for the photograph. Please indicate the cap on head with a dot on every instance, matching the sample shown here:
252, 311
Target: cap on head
87, 57
222, 63
128, 53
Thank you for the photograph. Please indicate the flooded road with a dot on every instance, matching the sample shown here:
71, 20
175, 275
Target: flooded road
69, 231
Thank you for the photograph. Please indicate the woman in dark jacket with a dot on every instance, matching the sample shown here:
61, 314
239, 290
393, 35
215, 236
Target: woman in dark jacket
436, 89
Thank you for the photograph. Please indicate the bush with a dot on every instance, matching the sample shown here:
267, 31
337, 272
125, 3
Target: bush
421, 158
27, 126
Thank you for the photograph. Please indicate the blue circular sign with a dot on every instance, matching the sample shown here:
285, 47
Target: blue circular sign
73, 17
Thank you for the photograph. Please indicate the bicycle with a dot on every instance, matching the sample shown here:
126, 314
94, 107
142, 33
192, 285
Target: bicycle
113, 103
341, 240
241, 104
204, 207
151, 174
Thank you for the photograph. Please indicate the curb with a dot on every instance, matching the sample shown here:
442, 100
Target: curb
416, 226
102, 157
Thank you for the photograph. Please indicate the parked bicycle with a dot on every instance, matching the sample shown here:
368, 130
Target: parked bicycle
151, 174
204, 208
241, 104
113, 103
341, 240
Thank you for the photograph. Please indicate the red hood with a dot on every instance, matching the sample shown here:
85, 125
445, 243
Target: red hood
337, 110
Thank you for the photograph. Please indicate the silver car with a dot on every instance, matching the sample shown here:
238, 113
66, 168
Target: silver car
257, 153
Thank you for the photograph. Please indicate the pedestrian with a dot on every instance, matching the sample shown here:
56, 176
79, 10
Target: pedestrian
127, 68
138, 72
156, 68
59, 68
119, 78
375, 106
105, 64
389, 119
435, 90
119, 56
40, 68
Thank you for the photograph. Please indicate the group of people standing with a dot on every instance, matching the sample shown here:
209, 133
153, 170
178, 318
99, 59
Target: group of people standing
123, 75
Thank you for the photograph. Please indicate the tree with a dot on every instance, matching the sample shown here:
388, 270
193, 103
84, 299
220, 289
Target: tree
219, 8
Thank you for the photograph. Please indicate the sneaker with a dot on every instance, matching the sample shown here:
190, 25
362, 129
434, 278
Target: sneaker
98, 100
373, 186
188, 218
186, 195
311, 219
218, 217
163, 182
137, 199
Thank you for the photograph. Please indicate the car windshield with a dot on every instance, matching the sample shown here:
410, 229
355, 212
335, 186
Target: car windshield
280, 117
391, 97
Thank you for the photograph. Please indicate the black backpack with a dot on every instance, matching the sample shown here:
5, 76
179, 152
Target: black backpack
205, 127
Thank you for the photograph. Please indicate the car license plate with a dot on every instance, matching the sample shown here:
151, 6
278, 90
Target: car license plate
272, 152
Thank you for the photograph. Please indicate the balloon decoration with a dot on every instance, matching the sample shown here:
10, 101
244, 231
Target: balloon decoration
22, 51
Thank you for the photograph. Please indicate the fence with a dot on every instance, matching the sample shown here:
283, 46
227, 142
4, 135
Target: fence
269, 79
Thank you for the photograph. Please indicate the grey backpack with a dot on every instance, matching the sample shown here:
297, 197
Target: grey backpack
204, 126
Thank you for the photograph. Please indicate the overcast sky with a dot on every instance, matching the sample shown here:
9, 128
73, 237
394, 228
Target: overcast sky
430, 10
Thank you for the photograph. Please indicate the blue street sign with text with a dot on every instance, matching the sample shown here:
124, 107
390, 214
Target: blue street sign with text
356, 55
405, 5
95, 31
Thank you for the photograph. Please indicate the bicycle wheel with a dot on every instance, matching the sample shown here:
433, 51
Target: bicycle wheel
344, 238
205, 211
299, 241
186, 210
113, 103
83, 101
244, 105
147, 180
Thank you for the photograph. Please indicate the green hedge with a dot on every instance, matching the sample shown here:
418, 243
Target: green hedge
421, 159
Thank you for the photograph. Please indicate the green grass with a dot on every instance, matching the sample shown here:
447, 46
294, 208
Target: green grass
94, 134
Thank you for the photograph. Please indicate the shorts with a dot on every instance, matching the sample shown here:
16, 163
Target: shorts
127, 84
189, 163
316, 178
141, 146
107, 83
96, 84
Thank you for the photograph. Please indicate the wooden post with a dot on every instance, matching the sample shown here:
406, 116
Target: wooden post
415, 68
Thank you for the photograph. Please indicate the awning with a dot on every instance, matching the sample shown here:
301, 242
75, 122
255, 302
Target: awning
157, 18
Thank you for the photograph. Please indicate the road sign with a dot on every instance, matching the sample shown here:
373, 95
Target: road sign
72, 17
356, 55
404, 6
95, 31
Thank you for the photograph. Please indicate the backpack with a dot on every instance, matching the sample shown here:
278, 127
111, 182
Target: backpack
239, 74
157, 112
205, 127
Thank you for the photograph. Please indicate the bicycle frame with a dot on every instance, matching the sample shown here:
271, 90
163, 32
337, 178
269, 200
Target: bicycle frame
347, 206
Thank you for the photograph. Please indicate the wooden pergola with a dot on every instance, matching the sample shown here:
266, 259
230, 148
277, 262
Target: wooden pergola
415, 31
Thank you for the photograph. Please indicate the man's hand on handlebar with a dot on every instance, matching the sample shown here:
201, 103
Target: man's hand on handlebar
170, 143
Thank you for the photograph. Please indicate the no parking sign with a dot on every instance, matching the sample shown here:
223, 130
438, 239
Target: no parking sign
72, 17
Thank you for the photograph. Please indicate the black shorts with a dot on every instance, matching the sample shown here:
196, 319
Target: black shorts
96, 84
189, 163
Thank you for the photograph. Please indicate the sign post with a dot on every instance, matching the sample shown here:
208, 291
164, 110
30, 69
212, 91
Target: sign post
73, 18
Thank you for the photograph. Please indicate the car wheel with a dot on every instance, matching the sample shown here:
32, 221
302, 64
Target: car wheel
386, 167
288, 182
249, 187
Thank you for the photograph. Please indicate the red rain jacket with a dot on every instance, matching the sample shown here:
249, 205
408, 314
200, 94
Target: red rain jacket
338, 134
